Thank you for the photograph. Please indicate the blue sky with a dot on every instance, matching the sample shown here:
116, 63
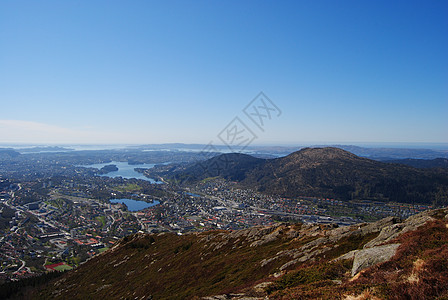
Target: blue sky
180, 71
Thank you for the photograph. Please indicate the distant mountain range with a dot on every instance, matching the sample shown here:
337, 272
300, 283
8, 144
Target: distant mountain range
422, 163
378, 153
8, 153
387, 153
325, 172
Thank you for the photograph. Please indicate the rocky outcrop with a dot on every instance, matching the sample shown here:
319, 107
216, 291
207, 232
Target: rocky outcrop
368, 257
378, 250
391, 231
267, 238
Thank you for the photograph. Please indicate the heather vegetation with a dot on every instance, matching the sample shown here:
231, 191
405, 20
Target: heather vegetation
419, 270
285, 261
171, 266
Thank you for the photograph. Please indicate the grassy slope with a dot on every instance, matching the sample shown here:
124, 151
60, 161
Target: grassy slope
171, 266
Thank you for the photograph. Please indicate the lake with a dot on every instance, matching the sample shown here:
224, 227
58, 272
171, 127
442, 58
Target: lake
125, 170
135, 205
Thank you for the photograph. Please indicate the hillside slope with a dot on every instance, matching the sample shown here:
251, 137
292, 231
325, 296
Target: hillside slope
388, 259
233, 166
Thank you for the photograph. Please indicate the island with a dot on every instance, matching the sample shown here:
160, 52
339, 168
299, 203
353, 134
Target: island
107, 169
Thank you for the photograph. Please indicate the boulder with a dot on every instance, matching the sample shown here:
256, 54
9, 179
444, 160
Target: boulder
369, 257
387, 233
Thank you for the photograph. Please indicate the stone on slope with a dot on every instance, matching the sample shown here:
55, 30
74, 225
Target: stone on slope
372, 256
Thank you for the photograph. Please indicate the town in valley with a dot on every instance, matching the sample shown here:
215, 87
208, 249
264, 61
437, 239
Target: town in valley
57, 210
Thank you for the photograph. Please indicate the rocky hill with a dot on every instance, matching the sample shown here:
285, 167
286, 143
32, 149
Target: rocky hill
325, 172
391, 259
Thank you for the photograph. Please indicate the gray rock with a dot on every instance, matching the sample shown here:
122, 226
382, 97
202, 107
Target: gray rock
348, 255
266, 239
413, 222
339, 231
387, 233
288, 264
376, 226
390, 232
264, 262
372, 256
315, 243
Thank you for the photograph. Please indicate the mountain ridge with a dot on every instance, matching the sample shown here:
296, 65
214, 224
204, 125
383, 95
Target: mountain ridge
422, 163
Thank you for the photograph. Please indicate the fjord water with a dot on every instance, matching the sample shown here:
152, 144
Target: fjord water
135, 205
125, 170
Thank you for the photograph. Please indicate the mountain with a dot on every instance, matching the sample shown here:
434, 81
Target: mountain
380, 153
422, 163
394, 153
8, 153
325, 172
232, 166
388, 259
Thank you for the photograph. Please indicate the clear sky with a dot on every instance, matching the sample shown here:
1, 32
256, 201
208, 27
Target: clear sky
181, 71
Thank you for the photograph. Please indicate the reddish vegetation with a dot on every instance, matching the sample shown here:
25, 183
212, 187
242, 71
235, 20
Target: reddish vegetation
419, 270
168, 266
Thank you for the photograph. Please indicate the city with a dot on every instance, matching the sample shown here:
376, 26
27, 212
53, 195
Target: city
57, 215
